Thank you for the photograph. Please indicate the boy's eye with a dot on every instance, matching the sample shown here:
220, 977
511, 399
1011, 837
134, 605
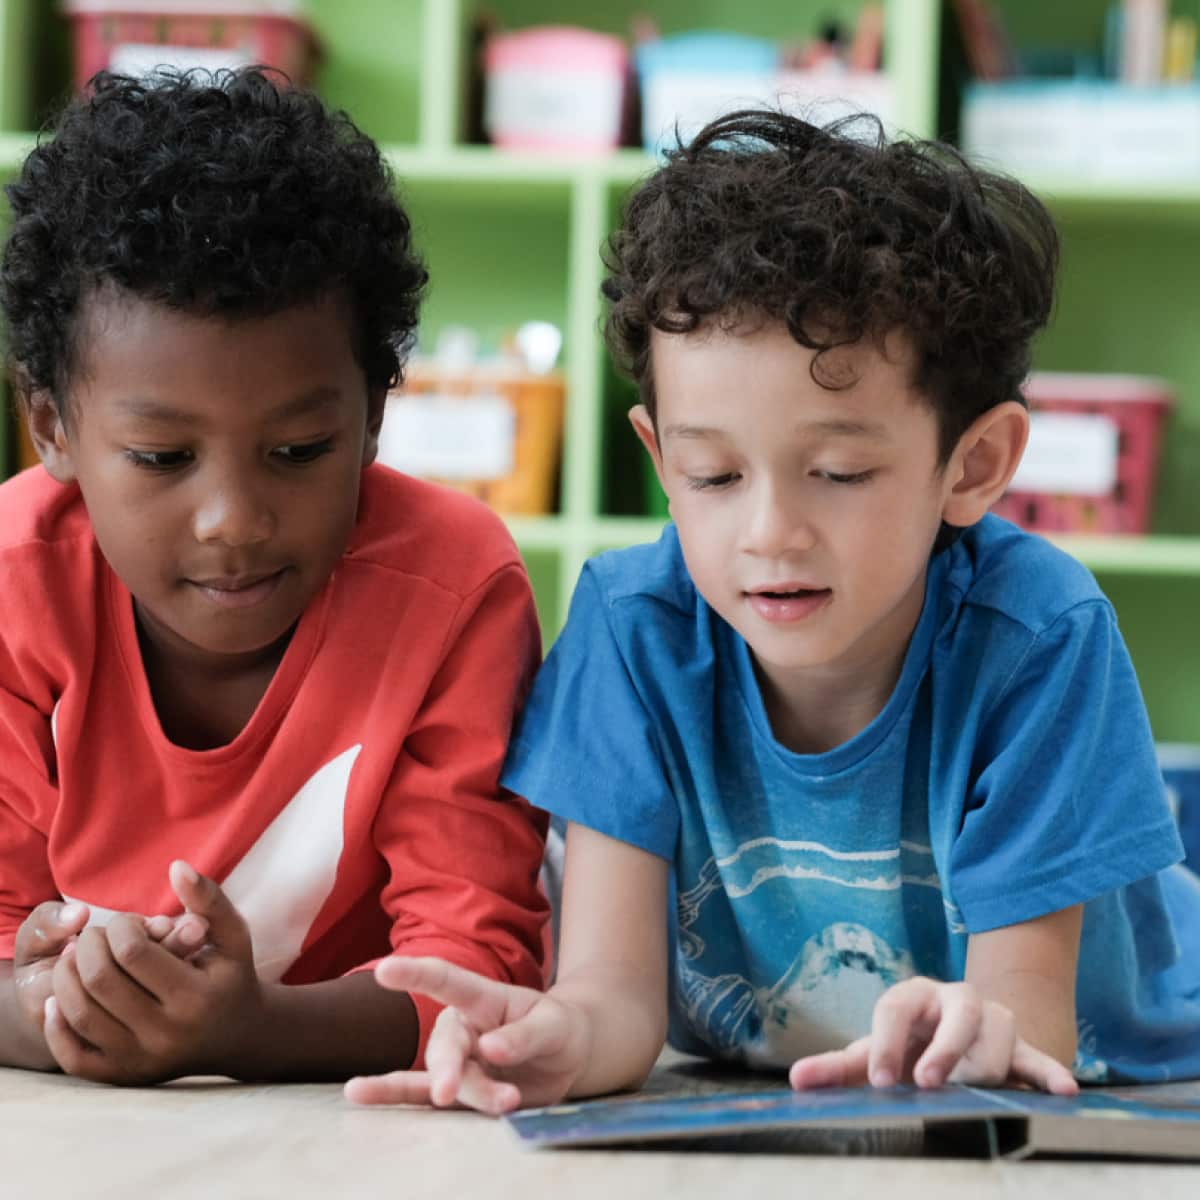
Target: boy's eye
300, 454
159, 460
853, 477
700, 483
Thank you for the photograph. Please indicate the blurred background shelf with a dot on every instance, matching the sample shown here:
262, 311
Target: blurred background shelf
515, 237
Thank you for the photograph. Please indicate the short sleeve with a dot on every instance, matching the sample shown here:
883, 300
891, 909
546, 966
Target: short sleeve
463, 855
27, 799
586, 747
1066, 802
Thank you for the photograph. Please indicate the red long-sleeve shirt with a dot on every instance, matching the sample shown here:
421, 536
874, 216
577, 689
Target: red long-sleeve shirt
358, 812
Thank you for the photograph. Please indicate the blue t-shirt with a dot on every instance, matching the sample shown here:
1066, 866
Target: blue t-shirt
1011, 774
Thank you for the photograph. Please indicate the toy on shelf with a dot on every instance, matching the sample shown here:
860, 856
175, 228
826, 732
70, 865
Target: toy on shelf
490, 427
1092, 456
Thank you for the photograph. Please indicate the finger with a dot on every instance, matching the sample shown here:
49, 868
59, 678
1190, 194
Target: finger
479, 1091
967, 1027
200, 895
149, 964
451, 1044
88, 1019
835, 1068
1038, 1069
47, 929
480, 998
69, 1050
542, 1032
158, 927
397, 1087
186, 935
906, 1012
108, 984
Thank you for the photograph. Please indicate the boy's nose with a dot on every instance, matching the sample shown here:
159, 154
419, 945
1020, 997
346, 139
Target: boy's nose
233, 515
774, 526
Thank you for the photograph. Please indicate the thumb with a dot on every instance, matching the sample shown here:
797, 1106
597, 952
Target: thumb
200, 895
47, 929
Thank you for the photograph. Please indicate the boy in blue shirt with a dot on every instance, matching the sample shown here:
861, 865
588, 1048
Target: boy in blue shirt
888, 749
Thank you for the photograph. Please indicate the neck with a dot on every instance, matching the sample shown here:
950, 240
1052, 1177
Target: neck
816, 709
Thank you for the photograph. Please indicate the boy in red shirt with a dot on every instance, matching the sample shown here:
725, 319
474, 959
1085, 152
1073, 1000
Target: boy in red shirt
244, 673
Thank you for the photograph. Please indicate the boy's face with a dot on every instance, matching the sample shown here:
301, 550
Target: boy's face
220, 462
806, 515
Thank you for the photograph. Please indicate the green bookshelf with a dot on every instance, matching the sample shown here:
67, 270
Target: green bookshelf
511, 237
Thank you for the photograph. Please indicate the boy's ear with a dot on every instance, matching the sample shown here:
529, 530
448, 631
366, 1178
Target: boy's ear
376, 401
983, 462
47, 432
639, 418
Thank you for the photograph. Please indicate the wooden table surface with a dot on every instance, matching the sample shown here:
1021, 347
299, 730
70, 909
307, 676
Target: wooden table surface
63, 1138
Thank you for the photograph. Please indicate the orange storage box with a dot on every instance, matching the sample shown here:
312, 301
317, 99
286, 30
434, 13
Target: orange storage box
133, 36
1092, 458
494, 431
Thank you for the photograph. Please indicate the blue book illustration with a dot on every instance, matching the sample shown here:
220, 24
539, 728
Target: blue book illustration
1145, 1122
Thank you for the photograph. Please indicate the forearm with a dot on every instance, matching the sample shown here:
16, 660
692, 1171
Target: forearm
627, 1023
1044, 1014
19, 1047
322, 1031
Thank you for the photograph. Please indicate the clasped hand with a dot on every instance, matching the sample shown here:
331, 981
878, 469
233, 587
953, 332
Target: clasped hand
143, 999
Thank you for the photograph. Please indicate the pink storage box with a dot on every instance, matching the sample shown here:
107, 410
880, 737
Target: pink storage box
555, 88
1092, 458
128, 35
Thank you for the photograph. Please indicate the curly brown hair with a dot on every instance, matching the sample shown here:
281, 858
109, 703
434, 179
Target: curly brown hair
840, 236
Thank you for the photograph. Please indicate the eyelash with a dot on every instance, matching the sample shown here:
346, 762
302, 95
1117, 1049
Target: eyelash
701, 483
162, 461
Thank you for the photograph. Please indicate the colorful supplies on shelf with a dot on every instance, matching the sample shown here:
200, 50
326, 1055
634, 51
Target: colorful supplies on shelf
1092, 456
135, 37
1085, 131
491, 429
555, 88
1180, 765
689, 79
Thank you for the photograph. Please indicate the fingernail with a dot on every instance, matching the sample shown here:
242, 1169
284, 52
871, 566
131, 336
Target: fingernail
187, 871
881, 1077
70, 913
49, 1008
68, 951
928, 1076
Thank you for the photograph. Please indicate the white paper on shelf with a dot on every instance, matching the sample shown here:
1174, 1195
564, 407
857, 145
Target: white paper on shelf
1069, 453
452, 437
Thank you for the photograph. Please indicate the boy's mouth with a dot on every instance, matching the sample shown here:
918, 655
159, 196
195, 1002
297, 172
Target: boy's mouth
787, 603
242, 591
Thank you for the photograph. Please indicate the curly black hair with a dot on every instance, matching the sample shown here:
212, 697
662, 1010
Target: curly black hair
227, 193
839, 234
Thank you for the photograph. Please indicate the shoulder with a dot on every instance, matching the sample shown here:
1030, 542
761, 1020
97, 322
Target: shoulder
650, 577
35, 510
429, 531
1003, 574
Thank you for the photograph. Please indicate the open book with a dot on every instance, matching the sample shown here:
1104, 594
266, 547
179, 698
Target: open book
1148, 1122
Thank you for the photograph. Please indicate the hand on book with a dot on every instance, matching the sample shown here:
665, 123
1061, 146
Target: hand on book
495, 1047
929, 1033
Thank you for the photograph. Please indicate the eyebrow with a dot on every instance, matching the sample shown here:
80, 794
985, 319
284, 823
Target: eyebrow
834, 427
164, 414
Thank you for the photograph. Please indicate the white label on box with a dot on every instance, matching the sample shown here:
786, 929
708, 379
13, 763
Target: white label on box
565, 106
141, 59
1069, 453
452, 437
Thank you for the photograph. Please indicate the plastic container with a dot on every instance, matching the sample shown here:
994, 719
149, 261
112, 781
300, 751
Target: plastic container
690, 79
136, 36
1180, 765
555, 88
1092, 458
492, 431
